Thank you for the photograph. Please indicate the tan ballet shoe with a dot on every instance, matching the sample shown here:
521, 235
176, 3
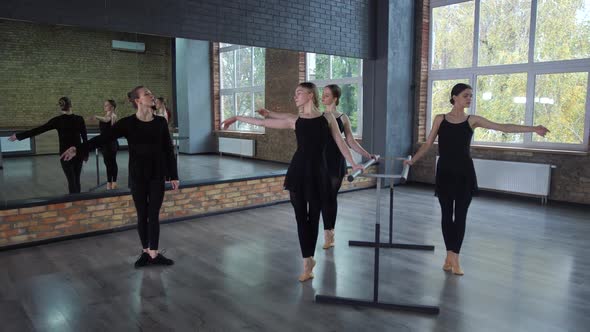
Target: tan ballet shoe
109, 186
306, 276
457, 271
308, 265
447, 266
328, 239
114, 185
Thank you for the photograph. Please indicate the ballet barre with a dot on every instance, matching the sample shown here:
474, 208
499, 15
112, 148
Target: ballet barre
377, 244
403, 178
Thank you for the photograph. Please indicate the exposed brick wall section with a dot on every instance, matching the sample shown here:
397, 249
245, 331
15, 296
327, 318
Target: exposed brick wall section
57, 220
282, 74
570, 181
284, 70
302, 68
422, 41
215, 86
339, 27
41, 63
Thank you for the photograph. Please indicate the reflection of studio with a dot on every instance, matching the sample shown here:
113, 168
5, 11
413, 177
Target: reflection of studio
277, 165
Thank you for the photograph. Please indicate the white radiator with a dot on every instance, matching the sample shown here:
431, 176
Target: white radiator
238, 146
515, 177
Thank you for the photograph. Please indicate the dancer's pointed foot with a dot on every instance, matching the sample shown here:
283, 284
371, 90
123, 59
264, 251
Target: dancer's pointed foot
308, 265
328, 239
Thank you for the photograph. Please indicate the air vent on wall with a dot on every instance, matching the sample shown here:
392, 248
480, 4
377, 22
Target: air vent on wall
128, 46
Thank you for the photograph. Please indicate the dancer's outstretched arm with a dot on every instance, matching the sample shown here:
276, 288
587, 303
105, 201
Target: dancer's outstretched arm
287, 123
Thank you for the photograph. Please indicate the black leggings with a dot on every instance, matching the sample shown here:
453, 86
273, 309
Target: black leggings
148, 198
330, 205
109, 157
72, 170
453, 229
307, 215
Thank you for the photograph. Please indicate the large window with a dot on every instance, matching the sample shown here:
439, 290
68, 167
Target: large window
241, 72
347, 73
528, 62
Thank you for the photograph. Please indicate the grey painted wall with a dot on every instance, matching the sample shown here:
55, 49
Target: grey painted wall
400, 70
387, 80
193, 96
340, 27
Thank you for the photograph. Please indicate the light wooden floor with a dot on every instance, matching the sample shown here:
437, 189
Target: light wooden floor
527, 269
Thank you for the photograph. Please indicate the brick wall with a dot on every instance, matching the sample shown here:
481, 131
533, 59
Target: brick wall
215, 86
339, 27
282, 74
422, 29
78, 217
284, 70
41, 63
570, 181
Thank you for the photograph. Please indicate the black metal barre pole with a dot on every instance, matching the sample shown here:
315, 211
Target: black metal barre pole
97, 169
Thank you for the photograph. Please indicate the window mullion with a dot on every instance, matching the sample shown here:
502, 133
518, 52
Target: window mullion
473, 81
530, 105
532, 32
587, 122
236, 69
474, 61
252, 66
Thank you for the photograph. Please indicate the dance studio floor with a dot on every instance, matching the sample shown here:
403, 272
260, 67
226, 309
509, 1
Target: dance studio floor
42, 176
526, 269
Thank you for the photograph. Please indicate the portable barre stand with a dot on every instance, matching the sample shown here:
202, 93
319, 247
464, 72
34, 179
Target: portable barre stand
377, 244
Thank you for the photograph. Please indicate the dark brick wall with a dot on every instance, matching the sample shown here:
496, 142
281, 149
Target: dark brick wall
339, 27
40, 63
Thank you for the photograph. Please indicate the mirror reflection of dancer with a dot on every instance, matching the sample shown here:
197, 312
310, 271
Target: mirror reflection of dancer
109, 150
162, 109
307, 178
151, 163
455, 175
70, 130
334, 158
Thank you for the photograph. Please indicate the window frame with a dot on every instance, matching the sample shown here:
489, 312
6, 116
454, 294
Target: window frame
531, 68
252, 89
358, 80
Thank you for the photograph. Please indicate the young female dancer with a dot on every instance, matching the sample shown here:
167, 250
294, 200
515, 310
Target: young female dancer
455, 175
109, 150
70, 130
307, 178
334, 158
151, 163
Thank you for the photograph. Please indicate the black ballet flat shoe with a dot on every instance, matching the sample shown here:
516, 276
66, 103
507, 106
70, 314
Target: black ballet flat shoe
143, 260
161, 260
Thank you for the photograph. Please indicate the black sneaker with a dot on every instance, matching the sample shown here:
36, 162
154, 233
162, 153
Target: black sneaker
161, 260
143, 260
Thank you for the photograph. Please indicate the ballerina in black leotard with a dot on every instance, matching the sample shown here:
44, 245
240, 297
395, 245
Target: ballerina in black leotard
334, 158
307, 176
455, 175
71, 130
151, 163
109, 150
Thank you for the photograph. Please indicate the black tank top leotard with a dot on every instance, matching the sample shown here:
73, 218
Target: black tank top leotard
106, 129
455, 174
308, 172
334, 158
